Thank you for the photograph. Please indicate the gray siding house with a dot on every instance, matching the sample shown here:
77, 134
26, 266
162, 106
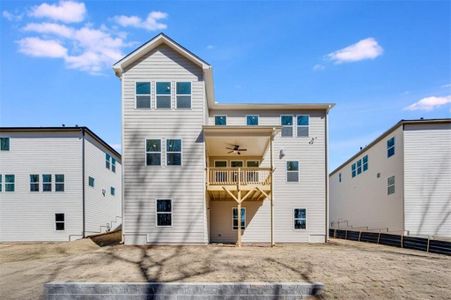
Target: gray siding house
57, 184
196, 171
399, 183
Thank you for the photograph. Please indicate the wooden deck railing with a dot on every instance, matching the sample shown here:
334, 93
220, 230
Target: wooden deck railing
232, 176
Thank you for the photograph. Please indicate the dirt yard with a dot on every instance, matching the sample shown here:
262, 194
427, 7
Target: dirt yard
348, 269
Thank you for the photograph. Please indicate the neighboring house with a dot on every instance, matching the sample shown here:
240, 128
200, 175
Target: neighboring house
401, 182
195, 169
57, 184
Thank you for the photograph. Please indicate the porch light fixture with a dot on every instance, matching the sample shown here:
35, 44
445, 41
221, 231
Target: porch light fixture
281, 154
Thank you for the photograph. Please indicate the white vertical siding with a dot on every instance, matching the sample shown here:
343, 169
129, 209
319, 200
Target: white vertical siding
363, 200
30, 216
427, 165
144, 184
101, 208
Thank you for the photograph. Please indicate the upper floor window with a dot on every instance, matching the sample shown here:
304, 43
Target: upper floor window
46, 183
391, 147
365, 163
235, 218
252, 120
221, 120
59, 183
4, 143
164, 212
183, 91
303, 125
91, 181
293, 171
1, 182
107, 160
113, 164
174, 152
112, 191
163, 95
339, 177
287, 125
390, 185
10, 182
353, 169
359, 166
153, 152
34, 183
143, 95
300, 218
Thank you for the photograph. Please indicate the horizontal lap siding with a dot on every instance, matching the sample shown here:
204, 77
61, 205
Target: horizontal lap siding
101, 209
183, 184
427, 179
30, 216
363, 200
309, 193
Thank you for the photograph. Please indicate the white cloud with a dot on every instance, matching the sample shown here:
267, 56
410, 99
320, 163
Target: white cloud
10, 16
362, 50
117, 147
446, 85
37, 47
210, 47
318, 67
50, 28
151, 23
429, 103
64, 11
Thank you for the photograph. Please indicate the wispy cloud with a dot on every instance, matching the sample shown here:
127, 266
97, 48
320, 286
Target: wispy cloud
446, 85
11, 16
42, 48
82, 46
319, 67
210, 47
151, 23
64, 11
364, 49
117, 147
429, 103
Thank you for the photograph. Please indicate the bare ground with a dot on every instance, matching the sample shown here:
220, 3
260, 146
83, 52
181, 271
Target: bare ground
348, 269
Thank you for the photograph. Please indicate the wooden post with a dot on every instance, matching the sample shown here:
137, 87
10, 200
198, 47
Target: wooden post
239, 219
272, 193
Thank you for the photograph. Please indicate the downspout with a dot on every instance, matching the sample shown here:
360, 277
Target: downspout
326, 237
272, 192
83, 181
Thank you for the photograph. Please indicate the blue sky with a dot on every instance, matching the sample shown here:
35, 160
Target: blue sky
378, 61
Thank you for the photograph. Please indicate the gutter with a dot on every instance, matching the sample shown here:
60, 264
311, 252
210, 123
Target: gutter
326, 179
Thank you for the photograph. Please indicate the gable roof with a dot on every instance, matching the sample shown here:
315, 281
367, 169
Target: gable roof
207, 69
386, 133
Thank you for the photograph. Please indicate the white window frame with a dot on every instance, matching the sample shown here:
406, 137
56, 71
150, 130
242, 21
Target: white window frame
359, 168
171, 107
391, 185
166, 151
171, 213
112, 191
191, 96
294, 219
113, 164
354, 170
38, 183
9, 143
9, 183
214, 119
293, 118
253, 115
93, 182
226, 161
1, 182
107, 161
286, 171
252, 160
363, 163
245, 221
150, 95
297, 126
162, 145
43, 183
64, 222
60, 182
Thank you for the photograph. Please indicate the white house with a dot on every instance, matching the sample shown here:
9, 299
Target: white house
195, 169
401, 182
57, 184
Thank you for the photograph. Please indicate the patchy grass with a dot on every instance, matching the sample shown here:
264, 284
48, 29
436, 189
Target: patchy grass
348, 269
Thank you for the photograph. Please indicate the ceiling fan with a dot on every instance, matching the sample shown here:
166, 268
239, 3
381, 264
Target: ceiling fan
236, 149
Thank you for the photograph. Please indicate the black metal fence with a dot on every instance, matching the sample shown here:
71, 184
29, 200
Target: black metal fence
401, 241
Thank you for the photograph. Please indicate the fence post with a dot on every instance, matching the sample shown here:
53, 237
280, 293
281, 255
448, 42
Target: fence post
379, 236
427, 250
335, 233
360, 234
346, 234
402, 239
